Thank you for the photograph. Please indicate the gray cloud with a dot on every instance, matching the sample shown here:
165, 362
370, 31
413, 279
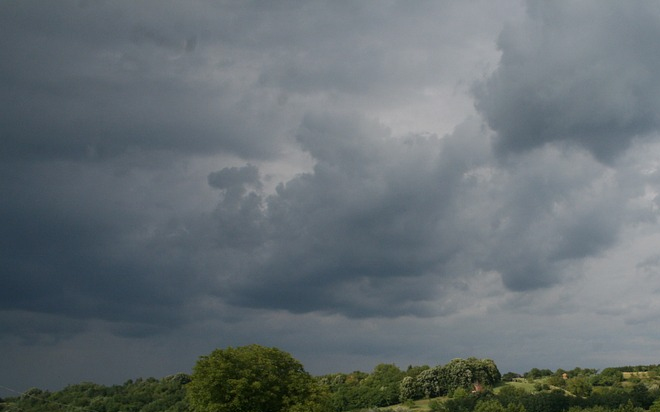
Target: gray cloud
583, 76
367, 214
554, 208
377, 215
179, 177
378, 211
104, 80
92, 245
232, 177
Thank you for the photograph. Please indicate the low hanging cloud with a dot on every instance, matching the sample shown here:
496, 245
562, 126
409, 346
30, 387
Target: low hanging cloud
583, 75
387, 226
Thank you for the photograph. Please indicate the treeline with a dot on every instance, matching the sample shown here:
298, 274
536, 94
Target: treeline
581, 381
269, 380
140, 395
388, 385
511, 399
639, 368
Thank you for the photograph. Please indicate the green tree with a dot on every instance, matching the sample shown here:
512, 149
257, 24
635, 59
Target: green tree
509, 395
489, 405
432, 382
655, 406
510, 376
608, 377
459, 374
410, 389
467, 373
640, 396
515, 407
484, 371
556, 380
252, 378
384, 383
536, 373
629, 407
579, 386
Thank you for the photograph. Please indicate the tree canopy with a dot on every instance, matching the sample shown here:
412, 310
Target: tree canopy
252, 378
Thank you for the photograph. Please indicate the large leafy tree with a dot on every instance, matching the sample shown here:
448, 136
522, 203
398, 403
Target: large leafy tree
383, 385
252, 378
433, 382
470, 372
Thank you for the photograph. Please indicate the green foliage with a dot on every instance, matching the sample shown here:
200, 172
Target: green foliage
510, 376
467, 373
610, 398
437, 406
556, 380
250, 378
588, 409
150, 395
257, 379
586, 372
362, 390
384, 384
510, 394
607, 377
655, 406
432, 382
640, 396
408, 389
459, 374
458, 393
629, 407
536, 373
579, 386
489, 405
515, 407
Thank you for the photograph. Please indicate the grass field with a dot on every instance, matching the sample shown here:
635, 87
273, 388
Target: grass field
640, 375
524, 384
422, 405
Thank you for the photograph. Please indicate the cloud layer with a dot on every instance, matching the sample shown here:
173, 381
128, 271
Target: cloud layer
341, 180
582, 75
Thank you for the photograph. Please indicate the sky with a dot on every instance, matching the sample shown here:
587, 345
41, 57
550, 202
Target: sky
354, 183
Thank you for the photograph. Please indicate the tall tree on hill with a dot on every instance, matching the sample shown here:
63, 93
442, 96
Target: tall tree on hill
253, 378
466, 373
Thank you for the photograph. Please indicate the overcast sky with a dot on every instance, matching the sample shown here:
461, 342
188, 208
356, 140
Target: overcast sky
354, 182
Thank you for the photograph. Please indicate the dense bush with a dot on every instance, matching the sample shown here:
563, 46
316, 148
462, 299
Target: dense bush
144, 395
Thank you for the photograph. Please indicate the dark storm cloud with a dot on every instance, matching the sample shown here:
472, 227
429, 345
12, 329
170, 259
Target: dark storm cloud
88, 245
367, 218
235, 177
97, 81
383, 226
549, 212
31, 328
582, 74
177, 177
388, 227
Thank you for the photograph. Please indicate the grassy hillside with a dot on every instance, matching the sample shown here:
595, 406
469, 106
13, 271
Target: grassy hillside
535, 386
